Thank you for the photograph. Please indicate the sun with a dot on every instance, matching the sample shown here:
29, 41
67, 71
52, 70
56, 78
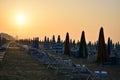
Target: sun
20, 19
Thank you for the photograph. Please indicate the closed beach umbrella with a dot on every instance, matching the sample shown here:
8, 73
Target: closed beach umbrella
0, 40
83, 47
102, 55
110, 46
67, 50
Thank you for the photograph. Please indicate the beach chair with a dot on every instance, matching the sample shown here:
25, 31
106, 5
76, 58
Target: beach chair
44, 57
2, 52
82, 71
64, 67
100, 75
54, 62
2, 55
41, 56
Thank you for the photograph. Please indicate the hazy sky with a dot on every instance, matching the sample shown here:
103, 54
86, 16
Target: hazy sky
48, 17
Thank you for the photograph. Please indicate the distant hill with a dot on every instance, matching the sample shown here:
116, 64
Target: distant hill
6, 36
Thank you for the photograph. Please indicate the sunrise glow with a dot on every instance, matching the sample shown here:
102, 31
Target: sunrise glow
20, 19
56, 17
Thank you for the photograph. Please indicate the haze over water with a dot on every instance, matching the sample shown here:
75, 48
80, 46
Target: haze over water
31, 18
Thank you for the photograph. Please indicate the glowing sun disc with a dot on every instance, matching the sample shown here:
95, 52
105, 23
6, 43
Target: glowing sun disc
20, 19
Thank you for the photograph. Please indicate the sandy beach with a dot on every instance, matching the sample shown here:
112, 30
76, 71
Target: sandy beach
19, 65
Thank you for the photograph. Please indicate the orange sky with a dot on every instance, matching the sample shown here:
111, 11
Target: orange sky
48, 17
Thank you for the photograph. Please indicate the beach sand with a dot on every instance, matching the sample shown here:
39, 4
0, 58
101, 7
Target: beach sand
19, 65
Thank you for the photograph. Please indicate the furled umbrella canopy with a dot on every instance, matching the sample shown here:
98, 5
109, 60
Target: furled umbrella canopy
53, 38
53, 43
109, 46
58, 40
46, 43
83, 47
67, 45
102, 55
0, 40
59, 46
45, 39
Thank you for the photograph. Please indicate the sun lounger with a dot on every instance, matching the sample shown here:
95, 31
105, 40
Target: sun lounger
2, 55
64, 66
100, 75
85, 72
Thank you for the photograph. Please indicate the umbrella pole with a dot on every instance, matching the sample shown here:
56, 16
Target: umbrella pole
100, 71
